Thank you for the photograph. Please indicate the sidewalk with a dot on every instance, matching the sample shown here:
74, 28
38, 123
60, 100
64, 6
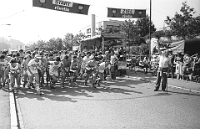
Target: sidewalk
173, 83
5, 117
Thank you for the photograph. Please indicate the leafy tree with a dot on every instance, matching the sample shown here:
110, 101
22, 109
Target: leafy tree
52, 44
41, 44
184, 24
77, 38
143, 25
130, 31
59, 44
144, 49
136, 32
68, 41
159, 34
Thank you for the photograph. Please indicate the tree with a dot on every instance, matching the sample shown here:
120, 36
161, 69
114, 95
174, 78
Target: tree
184, 24
41, 44
159, 34
137, 31
143, 25
77, 38
52, 44
130, 31
68, 41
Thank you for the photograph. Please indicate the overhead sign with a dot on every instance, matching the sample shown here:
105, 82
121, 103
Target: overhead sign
126, 13
62, 5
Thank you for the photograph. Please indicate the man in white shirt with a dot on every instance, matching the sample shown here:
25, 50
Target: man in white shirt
164, 63
113, 65
84, 62
32, 71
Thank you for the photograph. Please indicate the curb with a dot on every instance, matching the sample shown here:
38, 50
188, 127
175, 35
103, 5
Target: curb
179, 87
186, 89
13, 111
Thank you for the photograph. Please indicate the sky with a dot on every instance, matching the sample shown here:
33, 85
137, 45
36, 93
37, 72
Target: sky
29, 24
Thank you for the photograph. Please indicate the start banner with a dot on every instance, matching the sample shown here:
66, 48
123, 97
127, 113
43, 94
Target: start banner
62, 5
126, 13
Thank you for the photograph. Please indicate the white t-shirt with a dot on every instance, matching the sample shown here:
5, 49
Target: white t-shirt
33, 65
113, 59
85, 61
102, 67
164, 61
53, 68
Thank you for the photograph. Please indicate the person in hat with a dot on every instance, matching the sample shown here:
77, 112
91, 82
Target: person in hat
32, 72
164, 64
15, 69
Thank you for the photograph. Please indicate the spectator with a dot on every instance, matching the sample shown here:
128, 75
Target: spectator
164, 64
178, 61
187, 60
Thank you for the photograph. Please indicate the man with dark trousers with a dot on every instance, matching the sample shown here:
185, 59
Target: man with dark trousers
164, 64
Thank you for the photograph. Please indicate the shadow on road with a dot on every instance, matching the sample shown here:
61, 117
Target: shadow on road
118, 87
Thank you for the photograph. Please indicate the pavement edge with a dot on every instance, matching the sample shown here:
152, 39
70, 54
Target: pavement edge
13, 111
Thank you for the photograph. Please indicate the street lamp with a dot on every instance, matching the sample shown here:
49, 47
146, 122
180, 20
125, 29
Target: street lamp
150, 32
5, 24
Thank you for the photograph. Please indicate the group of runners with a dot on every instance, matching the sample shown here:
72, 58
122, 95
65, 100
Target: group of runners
39, 68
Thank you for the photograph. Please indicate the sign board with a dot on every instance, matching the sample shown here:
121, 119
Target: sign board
126, 13
62, 5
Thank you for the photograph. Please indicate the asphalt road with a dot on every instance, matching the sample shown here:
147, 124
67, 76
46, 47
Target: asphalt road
123, 104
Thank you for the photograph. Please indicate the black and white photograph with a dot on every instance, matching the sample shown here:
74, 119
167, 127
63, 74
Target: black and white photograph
107, 64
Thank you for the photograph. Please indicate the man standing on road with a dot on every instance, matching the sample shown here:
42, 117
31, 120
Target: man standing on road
164, 63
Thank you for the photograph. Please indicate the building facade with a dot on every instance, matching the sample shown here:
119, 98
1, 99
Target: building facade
98, 33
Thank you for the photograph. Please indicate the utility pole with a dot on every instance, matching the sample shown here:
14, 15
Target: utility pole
150, 32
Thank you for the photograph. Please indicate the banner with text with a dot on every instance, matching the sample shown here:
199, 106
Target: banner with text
126, 13
62, 5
